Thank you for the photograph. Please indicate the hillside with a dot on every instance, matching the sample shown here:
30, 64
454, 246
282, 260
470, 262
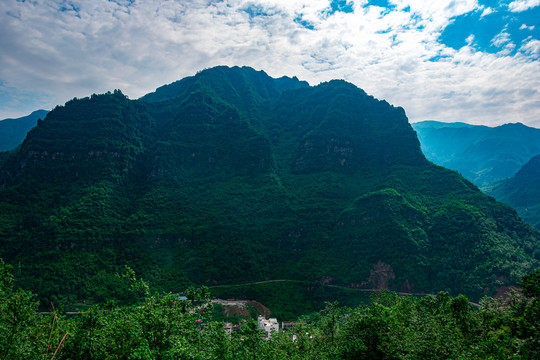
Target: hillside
231, 176
481, 154
522, 191
13, 131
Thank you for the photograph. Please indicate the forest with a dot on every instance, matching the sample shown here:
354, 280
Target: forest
167, 326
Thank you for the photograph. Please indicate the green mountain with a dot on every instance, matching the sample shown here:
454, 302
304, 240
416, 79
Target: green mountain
522, 191
481, 154
13, 131
231, 177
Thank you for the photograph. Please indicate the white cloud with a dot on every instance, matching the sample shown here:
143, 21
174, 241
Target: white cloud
395, 55
523, 27
437, 13
502, 40
522, 5
531, 48
487, 11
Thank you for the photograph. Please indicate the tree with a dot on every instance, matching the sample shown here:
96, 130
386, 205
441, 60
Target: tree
527, 316
17, 318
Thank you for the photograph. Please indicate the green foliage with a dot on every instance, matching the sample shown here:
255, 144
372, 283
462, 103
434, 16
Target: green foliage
163, 326
138, 287
531, 284
24, 334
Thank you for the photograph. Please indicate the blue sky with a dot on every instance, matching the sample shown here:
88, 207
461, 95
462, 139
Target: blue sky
476, 61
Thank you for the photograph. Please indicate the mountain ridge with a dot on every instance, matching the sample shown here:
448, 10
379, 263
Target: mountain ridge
482, 154
521, 191
13, 131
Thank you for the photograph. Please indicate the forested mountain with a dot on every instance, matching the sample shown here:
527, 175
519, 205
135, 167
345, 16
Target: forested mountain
13, 131
522, 191
481, 154
231, 176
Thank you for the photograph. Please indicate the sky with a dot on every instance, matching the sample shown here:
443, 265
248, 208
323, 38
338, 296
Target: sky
475, 61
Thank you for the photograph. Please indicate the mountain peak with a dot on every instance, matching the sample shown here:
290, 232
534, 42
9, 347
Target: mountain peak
242, 81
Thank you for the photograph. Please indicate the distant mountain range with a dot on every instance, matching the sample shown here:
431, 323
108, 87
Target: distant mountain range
231, 176
482, 154
522, 191
13, 131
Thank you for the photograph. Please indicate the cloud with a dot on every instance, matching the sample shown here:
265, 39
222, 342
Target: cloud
522, 5
486, 11
502, 40
531, 48
525, 27
60, 51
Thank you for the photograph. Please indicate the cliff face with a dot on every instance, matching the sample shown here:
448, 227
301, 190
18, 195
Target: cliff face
232, 176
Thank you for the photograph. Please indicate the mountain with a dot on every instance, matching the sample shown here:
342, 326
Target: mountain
431, 124
231, 177
13, 131
522, 191
481, 154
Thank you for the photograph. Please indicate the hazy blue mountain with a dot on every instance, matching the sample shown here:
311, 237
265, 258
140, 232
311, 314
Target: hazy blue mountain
13, 131
481, 154
432, 124
231, 176
522, 191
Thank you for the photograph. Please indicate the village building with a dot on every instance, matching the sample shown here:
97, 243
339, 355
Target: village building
268, 325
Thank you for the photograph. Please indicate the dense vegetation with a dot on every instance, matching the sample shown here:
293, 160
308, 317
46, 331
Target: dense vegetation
522, 191
481, 154
163, 326
230, 177
13, 131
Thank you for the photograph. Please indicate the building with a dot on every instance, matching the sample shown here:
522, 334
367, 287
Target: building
269, 326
